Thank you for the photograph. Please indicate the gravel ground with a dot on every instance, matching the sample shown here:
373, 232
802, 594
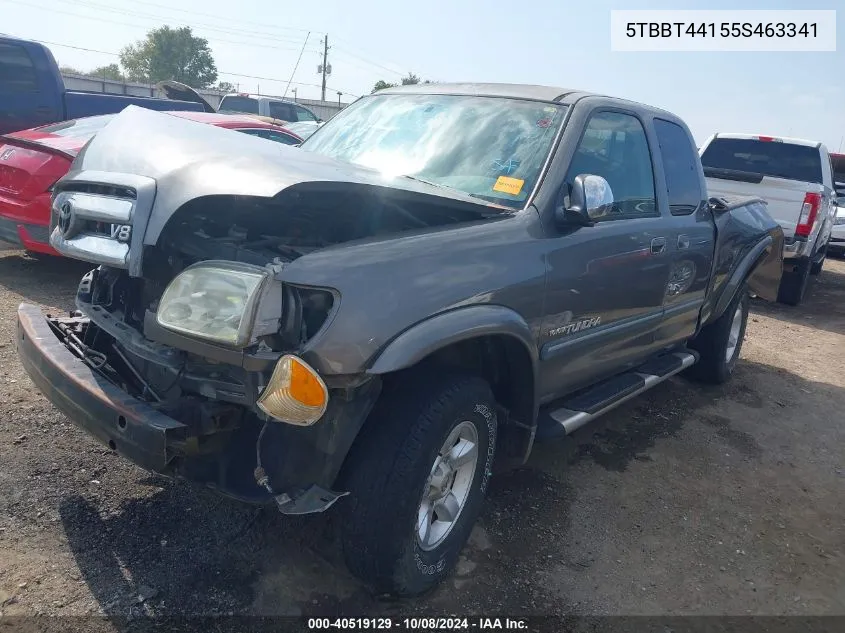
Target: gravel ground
686, 500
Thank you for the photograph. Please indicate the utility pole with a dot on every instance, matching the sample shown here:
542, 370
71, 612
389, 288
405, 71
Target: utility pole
325, 63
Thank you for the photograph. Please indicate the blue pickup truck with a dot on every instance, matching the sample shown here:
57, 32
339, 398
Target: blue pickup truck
32, 92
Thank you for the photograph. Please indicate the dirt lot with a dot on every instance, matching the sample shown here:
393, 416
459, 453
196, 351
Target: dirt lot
687, 500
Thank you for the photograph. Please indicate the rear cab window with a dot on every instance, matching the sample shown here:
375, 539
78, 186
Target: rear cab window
237, 103
680, 165
17, 71
773, 158
282, 111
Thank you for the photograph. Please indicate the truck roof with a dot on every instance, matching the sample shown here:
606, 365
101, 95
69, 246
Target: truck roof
755, 137
552, 94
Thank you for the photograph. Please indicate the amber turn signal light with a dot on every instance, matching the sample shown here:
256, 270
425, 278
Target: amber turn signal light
295, 394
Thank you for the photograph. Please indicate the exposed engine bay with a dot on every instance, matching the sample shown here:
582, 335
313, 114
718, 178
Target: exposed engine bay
126, 344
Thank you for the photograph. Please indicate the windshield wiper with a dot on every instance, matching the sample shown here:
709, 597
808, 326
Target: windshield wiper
428, 182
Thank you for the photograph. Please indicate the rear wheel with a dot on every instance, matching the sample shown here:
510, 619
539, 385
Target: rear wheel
793, 284
720, 342
417, 478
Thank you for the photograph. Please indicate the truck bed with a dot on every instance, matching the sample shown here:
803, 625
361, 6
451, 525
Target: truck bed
785, 197
81, 104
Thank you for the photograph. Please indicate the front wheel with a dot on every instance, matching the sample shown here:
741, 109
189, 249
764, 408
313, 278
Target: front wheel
720, 342
417, 476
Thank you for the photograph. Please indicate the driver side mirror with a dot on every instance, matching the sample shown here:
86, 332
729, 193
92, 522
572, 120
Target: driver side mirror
590, 199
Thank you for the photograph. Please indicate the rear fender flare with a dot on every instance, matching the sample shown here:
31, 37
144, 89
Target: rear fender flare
740, 274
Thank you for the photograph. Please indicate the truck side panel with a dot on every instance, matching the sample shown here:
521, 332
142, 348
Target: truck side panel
749, 245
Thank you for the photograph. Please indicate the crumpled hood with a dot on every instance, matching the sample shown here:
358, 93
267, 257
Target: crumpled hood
188, 160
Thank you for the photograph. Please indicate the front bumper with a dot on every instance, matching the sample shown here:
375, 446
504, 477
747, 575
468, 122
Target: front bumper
125, 424
297, 458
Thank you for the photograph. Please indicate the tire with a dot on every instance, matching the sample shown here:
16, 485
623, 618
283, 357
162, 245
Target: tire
388, 473
793, 284
720, 342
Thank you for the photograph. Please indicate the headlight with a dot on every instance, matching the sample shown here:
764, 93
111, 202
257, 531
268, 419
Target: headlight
219, 301
840, 218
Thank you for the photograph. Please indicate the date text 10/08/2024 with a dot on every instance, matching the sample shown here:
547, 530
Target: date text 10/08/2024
721, 29
418, 624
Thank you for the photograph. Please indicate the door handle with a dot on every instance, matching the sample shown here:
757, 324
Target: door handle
658, 245
683, 242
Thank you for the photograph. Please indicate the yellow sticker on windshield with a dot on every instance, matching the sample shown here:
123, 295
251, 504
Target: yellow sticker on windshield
506, 184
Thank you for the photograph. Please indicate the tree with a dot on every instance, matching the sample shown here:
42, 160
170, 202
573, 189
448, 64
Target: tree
70, 70
409, 80
225, 86
111, 71
381, 84
168, 53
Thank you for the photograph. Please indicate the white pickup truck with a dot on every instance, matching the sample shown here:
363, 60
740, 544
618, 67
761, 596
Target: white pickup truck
795, 177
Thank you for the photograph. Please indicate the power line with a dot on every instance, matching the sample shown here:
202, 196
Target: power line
213, 39
219, 72
225, 18
366, 60
297, 66
150, 16
98, 19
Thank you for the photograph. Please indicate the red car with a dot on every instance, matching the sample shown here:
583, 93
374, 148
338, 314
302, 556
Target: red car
31, 161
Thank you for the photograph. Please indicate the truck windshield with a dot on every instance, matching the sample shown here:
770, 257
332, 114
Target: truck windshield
768, 158
235, 103
488, 147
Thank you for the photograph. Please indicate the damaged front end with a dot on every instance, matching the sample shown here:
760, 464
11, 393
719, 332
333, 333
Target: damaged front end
189, 351
221, 415
205, 345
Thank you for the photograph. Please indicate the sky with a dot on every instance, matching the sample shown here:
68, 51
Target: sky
552, 42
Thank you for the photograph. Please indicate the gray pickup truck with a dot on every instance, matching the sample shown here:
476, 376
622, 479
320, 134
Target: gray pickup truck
440, 276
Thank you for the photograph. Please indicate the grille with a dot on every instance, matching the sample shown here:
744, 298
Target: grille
101, 222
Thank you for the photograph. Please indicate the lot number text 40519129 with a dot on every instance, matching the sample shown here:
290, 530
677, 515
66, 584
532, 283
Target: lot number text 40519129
418, 624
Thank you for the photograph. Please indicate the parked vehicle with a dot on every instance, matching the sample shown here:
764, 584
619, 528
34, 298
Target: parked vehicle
31, 161
32, 92
280, 109
837, 235
795, 177
381, 315
837, 161
304, 128
302, 124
